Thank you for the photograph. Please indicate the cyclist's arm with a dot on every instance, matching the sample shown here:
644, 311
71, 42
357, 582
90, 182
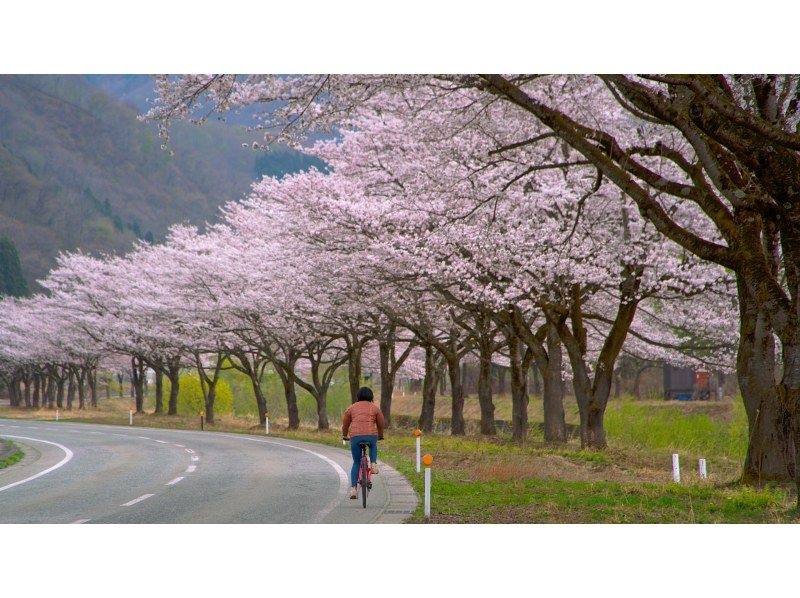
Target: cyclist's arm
347, 419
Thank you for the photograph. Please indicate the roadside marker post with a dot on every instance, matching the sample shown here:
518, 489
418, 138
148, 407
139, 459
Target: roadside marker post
418, 436
56, 414
130, 417
427, 460
701, 469
266, 425
676, 468
201, 421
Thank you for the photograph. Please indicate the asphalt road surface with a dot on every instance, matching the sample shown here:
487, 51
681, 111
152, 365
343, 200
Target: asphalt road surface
86, 473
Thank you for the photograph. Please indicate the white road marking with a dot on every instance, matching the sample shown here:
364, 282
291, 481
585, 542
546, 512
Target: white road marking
191, 468
135, 500
162, 441
175, 481
180, 445
195, 458
81, 521
189, 451
143, 437
67, 457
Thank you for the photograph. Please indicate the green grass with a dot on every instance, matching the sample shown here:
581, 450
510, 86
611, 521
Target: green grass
665, 427
12, 458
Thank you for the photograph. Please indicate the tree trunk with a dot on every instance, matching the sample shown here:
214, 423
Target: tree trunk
159, 390
137, 382
501, 380
70, 389
81, 379
593, 432
322, 410
555, 425
93, 387
428, 391
485, 390
28, 380
387, 381
261, 402
174, 376
519, 390
770, 450
210, 397
49, 391
457, 423
536, 386
60, 392
37, 385
290, 394
284, 372
354, 371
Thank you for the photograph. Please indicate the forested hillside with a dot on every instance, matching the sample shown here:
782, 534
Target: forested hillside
78, 170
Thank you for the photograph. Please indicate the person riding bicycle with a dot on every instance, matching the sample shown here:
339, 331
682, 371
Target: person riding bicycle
364, 422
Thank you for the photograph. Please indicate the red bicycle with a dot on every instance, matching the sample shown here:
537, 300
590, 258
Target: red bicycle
364, 473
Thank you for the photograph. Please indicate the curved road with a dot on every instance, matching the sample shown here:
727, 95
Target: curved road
87, 473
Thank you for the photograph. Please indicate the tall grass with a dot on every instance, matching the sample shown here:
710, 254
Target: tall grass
667, 428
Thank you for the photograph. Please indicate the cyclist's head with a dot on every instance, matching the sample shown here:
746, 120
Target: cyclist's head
364, 394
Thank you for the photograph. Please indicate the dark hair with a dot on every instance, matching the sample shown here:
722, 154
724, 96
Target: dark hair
364, 394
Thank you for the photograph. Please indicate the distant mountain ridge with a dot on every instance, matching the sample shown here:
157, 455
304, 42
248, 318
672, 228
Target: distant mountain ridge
78, 170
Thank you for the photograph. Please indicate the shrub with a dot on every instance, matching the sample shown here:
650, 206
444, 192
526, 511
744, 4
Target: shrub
190, 396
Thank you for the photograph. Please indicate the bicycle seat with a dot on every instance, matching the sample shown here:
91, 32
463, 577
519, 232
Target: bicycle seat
363, 444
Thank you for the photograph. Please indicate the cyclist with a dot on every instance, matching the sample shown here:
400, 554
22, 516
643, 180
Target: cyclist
363, 420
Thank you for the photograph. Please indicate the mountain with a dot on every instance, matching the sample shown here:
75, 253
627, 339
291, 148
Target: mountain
78, 170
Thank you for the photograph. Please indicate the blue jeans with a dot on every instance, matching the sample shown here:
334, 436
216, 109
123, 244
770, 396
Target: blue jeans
356, 450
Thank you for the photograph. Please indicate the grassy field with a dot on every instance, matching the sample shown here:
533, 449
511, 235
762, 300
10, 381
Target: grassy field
10, 453
478, 479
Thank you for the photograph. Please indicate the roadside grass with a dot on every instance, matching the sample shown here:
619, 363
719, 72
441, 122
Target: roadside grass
9, 454
490, 479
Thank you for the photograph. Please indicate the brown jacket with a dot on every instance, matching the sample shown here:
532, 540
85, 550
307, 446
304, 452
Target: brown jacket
362, 418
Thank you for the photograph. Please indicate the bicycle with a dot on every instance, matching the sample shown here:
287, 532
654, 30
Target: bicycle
364, 472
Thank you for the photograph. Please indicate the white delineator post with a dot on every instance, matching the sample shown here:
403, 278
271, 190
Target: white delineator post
130, 417
427, 460
676, 468
418, 436
56, 414
266, 425
701, 469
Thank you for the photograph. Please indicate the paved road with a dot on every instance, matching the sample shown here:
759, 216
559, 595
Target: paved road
85, 473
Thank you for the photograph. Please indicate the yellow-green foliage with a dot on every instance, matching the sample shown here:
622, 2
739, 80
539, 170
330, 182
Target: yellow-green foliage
190, 396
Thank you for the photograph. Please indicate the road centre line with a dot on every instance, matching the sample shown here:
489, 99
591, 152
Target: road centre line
81, 521
67, 456
175, 481
191, 468
161, 441
135, 500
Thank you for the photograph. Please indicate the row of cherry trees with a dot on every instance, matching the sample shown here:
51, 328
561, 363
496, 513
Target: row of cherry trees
437, 234
712, 162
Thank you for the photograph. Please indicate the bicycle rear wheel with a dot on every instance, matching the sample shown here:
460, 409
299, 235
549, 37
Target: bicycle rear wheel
364, 482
